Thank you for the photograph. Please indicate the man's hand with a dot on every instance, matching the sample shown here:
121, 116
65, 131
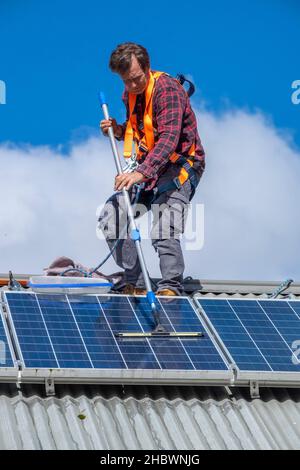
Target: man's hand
126, 180
105, 124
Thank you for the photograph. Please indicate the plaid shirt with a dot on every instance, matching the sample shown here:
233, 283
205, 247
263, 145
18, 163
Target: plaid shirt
176, 126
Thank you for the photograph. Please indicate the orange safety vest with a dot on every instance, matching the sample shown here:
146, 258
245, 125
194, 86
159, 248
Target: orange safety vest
146, 142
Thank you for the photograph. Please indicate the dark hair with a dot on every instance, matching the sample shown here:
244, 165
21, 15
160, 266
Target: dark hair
120, 59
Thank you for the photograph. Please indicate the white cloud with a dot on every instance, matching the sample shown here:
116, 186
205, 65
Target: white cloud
250, 190
251, 195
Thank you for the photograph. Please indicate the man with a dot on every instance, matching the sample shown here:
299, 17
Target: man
162, 126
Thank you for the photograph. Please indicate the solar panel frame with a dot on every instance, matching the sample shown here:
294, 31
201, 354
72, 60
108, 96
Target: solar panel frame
133, 376
7, 372
267, 378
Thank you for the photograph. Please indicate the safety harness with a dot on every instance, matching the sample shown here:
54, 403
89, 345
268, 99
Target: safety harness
143, 138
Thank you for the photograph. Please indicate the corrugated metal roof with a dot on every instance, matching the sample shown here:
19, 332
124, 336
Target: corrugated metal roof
203, 418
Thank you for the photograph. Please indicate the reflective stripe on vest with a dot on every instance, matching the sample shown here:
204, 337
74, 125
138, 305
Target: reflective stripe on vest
146, 142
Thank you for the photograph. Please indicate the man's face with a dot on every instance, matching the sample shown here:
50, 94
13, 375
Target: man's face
135, 79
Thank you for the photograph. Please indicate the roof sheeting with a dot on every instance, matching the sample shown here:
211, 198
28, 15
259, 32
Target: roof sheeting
205, 420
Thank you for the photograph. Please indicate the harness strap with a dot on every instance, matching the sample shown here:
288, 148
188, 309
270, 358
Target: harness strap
178, 181
132, 132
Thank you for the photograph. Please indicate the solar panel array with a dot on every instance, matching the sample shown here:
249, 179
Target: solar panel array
67, 332
78, 331
259, 335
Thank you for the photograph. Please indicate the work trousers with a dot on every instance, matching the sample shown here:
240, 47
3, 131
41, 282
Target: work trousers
169, 212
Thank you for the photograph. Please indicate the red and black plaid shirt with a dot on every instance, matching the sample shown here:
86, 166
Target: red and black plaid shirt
176, 126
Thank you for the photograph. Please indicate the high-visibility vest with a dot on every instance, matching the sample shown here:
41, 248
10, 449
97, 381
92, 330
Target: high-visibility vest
145, 141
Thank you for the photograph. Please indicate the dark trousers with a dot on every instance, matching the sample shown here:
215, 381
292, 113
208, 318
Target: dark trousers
169, 211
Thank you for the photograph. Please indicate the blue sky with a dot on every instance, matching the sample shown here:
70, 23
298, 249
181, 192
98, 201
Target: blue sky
54, 58
243, 56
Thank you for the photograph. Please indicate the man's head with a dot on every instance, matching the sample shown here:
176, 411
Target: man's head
131, 62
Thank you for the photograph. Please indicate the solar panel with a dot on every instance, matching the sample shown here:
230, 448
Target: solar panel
78, 331
6, 359
258, 335
31, 335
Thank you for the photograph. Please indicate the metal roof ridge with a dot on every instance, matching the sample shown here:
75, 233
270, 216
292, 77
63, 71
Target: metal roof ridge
242, 282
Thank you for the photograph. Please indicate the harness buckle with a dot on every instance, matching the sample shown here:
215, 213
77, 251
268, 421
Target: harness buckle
142, 148
177, 183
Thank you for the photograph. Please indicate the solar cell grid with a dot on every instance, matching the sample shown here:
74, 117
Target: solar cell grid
184, 318
295, 305
257, 334
63, 331
121, 317
243, 349
267, 337
78, 331
31, 334
169, 351
96, 333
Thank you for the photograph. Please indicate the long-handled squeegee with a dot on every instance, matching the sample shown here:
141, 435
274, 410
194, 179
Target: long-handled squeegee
159, 330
